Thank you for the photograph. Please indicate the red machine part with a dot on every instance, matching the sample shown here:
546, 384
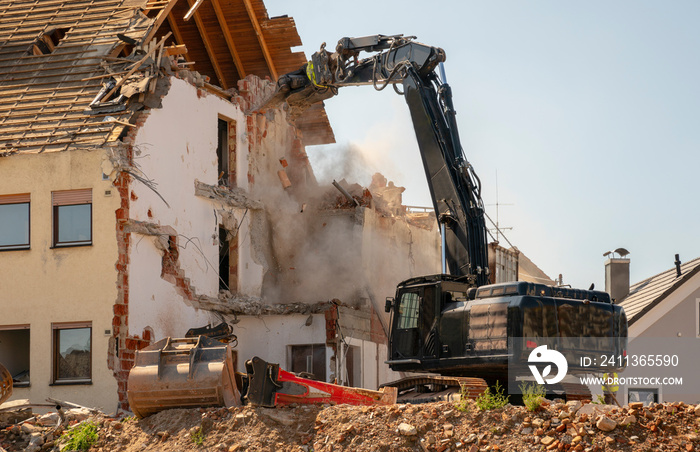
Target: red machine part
268, 385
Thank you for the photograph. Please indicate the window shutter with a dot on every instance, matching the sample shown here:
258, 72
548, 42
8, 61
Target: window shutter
70, 197
14, 199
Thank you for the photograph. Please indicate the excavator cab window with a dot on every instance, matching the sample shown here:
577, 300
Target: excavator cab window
408, 311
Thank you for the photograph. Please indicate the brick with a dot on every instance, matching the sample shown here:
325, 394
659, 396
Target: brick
121, 309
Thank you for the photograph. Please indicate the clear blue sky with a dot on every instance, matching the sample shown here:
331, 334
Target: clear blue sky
586, 113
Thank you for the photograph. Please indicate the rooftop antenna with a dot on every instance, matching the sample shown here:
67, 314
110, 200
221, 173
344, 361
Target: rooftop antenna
498, 228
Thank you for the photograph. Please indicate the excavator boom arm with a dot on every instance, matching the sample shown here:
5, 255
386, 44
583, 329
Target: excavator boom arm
454, 187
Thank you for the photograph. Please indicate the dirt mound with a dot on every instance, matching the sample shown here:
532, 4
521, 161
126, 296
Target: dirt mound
428, 427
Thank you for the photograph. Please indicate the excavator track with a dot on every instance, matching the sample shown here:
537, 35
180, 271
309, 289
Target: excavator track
576, 391
5, 384
434, 388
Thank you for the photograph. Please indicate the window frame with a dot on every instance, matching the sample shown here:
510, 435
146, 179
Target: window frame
56, 327
16, 199
651, 389
697, 317
69, 198
21, 327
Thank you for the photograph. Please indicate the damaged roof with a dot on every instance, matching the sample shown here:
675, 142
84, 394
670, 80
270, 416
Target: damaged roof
56, 56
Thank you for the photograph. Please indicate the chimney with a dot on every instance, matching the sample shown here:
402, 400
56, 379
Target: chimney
617, 278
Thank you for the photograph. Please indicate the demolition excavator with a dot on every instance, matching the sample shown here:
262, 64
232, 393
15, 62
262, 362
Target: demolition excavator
455, 324
452, 332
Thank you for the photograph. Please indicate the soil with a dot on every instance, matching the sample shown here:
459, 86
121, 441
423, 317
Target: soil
441, 426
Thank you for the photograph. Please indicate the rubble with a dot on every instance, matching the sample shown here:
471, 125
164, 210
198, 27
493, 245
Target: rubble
428, 427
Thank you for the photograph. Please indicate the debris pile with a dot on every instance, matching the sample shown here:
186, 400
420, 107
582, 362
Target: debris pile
381, 195
441, 427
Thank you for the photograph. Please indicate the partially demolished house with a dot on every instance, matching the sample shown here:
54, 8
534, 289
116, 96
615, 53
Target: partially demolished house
143, 192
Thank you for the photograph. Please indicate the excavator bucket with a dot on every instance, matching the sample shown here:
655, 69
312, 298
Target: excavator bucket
5, 384
182, 373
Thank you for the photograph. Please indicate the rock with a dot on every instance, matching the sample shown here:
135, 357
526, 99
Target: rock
526, 431
279, 416
539, 432
628, 420
471, 438
636, 405
77, 414
606, 424
574, 406
537, 422
555, 421
697, 410
207, 424
448, 429
48, 420
29, 429
576, 439
547, 440
407, 429
609, 439
594, 409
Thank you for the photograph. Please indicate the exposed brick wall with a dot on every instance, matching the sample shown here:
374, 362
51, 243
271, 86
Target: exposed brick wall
376, 332
120, 356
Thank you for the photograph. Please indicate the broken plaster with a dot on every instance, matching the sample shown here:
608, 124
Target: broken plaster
232, 197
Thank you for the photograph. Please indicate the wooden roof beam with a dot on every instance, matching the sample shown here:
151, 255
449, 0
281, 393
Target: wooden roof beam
207, 45
176, 32
261, 39
160, 18
229, 39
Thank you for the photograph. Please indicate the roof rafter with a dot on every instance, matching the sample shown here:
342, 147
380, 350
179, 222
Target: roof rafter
261, 39
176, 33
160, 18
229, 39
207, 45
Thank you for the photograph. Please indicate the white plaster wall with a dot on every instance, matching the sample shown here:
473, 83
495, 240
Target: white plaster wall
158, 306
269, 336
177, 146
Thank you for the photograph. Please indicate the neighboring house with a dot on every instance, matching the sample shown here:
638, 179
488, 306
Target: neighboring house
663, 314
142, 194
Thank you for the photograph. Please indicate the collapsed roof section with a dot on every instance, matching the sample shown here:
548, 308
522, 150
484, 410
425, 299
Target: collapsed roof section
59, 57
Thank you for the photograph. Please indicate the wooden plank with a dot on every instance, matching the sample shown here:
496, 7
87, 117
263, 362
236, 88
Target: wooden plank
207, 46
229, 39
134, 69
162, 15
261, 39
176, 32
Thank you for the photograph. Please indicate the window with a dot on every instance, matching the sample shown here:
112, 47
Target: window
224, 258
72, 217
309, 359
408, 311
14, 352
226, 152
48, 41
14, 222
644, 395
72, 352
